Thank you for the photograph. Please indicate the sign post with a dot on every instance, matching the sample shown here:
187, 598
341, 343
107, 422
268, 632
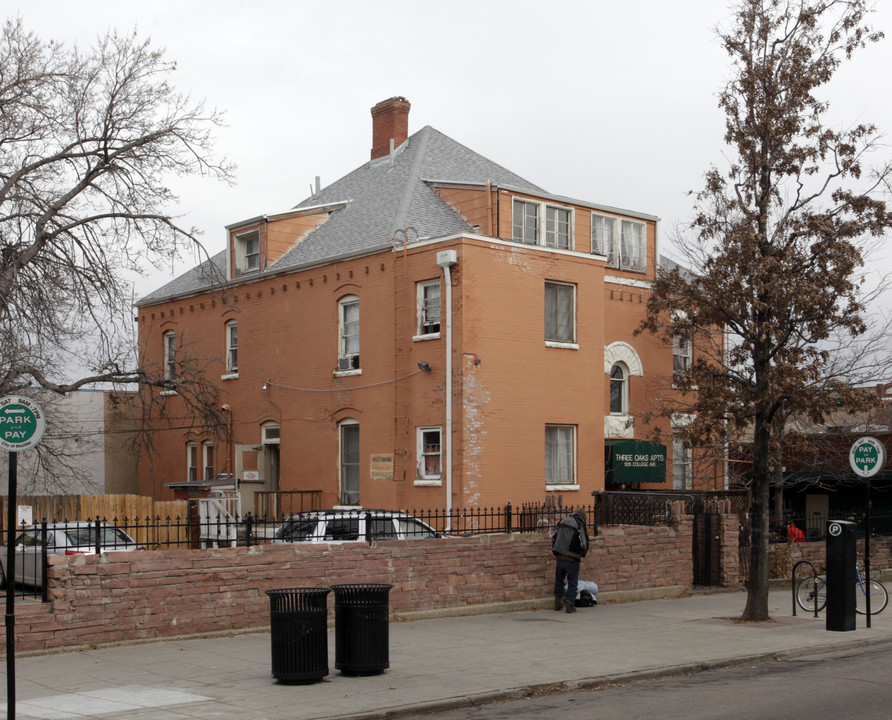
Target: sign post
866, 458
22, 424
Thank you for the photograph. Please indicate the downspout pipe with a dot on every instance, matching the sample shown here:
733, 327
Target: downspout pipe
446, 259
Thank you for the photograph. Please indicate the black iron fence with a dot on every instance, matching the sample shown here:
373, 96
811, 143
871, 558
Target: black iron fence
813, 527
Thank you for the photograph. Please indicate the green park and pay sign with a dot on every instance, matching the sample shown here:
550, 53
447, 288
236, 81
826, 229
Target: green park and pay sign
22, 423
867, 456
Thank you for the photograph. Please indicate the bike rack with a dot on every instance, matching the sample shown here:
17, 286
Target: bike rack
814, 574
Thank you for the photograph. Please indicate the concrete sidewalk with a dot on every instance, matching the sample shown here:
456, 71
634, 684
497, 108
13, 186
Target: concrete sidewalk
434, 664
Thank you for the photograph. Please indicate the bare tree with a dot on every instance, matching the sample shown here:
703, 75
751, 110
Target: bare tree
778, 240
89, 143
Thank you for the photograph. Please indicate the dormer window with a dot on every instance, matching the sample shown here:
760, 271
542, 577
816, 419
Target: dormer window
623, 242
247, 253
527, 227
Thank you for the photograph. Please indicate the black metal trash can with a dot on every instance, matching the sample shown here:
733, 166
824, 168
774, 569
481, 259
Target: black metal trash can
362, 630
299, 634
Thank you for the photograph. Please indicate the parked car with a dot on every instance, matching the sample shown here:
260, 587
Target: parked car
352, 526
77, 538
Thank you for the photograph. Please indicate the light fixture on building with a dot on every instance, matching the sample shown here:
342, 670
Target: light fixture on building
424, 366
265, 385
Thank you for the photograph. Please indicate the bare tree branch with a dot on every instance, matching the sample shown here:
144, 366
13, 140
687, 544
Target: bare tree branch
89, 144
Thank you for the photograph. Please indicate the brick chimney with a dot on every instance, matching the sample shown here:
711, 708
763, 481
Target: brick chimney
390, 121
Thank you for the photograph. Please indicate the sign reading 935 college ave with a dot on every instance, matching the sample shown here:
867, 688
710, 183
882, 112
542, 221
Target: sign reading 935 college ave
867, 456
22, 423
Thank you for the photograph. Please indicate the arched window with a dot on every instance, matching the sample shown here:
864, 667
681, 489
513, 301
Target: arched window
191, 461
348, 333
207, 460
619, 390
349, 462
232, 347
170, 355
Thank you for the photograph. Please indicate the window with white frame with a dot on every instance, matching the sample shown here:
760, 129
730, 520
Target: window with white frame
555, 232
560, 455
428, 293
619, 390
207, 460
270, 433
525, 222
192, 461
232, 347
349, 462
630, 253
681, 463
429, 453
247, 252
632, 246
348, 332
560, 312
557, 227
170, 355
603, 236
681, 356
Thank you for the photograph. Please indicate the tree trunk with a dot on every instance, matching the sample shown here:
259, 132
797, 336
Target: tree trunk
756, 609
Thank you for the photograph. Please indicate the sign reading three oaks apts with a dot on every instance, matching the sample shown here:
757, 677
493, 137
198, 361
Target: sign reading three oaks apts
22, 423
867, 456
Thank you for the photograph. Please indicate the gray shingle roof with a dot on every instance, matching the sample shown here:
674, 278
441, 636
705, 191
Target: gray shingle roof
382, 196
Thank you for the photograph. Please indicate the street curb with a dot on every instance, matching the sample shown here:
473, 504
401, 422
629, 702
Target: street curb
605, 681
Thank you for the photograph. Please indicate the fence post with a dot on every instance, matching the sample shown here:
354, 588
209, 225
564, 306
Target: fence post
97, 537
509, 519
44, 531
249, 521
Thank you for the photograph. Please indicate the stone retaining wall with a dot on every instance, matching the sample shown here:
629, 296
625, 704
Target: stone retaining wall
121, 597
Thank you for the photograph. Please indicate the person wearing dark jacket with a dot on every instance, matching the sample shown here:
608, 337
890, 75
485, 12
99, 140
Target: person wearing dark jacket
569, 544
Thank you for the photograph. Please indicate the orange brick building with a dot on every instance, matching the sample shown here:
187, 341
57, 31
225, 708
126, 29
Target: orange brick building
430, 331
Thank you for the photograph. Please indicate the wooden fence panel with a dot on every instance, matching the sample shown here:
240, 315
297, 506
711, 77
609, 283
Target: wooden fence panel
136, 514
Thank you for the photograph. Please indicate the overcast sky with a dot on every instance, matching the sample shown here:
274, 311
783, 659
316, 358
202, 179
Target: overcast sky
609, 102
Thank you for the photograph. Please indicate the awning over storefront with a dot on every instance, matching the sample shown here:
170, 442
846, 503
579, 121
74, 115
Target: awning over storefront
634, 461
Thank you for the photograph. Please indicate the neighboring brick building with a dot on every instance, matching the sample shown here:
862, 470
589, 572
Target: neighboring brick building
427, 274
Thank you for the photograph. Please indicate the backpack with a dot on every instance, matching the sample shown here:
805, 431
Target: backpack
585, 599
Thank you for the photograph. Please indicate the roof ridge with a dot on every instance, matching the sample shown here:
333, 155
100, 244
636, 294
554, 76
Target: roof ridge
414, 175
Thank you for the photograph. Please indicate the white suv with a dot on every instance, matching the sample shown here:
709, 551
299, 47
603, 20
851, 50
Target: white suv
352, 526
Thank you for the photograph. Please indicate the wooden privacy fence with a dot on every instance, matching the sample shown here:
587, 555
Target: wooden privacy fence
144, 519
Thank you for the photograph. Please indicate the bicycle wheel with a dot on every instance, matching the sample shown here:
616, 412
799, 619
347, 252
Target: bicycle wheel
810, 589
879, 598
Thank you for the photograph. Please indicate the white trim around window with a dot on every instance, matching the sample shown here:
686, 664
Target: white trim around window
560, 315
207, 460
429, 456
622, 241
191, 461
682, 354
348, 336
349, 462
427, 300
540, 223
619, 389
231, 350
560, 457
170, 355
246, 253
270, 433
682, 463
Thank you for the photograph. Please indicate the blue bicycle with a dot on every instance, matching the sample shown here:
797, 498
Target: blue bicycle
813, 589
